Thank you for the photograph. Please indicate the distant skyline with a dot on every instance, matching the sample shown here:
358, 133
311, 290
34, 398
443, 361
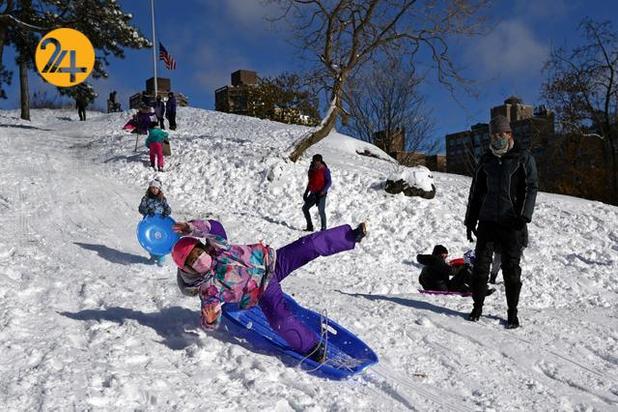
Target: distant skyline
212, 38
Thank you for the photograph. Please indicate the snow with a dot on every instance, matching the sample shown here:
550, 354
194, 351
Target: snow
86, 323
417, 176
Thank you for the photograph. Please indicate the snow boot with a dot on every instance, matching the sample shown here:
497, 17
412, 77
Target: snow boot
318, 353
476, 313
160, 260
360, 232
309, 229
512, 321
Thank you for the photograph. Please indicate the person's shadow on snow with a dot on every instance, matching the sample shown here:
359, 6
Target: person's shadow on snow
417, 304
178, 328
113, 255
173, 324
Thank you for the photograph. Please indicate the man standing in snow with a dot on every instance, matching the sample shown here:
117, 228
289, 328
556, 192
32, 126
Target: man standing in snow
501, 201
159, 108
170, 110
81, 102
316, 191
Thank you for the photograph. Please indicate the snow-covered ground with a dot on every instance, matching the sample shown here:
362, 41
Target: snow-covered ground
86, 323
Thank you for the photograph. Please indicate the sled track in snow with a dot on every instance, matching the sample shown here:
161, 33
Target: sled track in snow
444, 401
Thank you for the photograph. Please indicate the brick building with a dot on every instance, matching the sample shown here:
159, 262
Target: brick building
147, 97
395, 147
532, 129
235, 98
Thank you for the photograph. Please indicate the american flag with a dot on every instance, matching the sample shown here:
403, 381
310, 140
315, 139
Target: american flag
167, 58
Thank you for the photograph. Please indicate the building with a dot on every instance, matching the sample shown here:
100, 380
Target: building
395, 147
392, 143
532, 129
147, 97
237, 97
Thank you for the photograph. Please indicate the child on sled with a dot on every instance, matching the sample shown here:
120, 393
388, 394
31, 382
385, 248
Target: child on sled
250, 275
438, 275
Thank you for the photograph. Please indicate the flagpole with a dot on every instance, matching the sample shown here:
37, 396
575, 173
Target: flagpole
154, 50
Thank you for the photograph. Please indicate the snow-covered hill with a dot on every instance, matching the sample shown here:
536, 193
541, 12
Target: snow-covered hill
86, 323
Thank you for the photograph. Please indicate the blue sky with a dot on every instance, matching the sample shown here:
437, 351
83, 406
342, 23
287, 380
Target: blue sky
212, 38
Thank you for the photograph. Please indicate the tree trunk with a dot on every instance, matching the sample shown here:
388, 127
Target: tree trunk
23, 86
326, 126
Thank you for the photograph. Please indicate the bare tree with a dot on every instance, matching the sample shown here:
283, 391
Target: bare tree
386, 98
582, 88
342, 35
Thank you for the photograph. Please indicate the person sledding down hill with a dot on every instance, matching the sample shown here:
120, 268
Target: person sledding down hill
250, 275
438, 275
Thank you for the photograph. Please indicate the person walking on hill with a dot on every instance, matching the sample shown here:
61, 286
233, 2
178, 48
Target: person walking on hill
159, 108
170, 110
316, 191
501, 202
154, 143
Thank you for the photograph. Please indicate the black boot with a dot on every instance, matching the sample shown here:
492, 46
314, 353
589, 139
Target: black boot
476, 313
318, 353
360, 232
512, 321
489, 291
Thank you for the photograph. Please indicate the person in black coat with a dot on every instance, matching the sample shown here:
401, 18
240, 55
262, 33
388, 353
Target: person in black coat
438, 275
500, 204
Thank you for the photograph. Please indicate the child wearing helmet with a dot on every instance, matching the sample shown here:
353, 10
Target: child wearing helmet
154, 203
250, 275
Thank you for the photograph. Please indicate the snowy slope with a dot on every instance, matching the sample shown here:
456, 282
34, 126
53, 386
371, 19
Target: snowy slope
86, 323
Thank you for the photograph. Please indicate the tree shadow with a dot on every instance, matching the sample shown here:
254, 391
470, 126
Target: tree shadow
113, 255
416, 304
24, 126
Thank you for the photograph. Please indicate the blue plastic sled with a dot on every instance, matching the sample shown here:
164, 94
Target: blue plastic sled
155, 234
347, 355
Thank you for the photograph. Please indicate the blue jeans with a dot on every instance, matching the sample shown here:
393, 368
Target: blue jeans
312, 200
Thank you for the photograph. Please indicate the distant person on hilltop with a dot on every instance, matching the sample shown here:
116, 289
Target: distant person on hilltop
170, 110
501, 201
250, 275
316, 191
159, 108
81, 102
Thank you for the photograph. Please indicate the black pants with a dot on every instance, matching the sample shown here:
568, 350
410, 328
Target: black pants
509, 240
312, 200
161, 122
82, 113
171, 117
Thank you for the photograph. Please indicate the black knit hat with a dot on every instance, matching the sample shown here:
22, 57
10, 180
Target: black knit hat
439, 250
317, 157
499, 124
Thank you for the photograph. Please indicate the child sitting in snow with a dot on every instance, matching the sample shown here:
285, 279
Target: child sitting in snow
251, 274
440, 276
155, 203
154, 143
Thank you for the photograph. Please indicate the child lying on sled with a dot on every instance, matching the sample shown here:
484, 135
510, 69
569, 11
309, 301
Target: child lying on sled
438, 275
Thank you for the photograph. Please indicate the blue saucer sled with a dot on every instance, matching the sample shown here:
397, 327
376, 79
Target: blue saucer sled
347, 354
156, 235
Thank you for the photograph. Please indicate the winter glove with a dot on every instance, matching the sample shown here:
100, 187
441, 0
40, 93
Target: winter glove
469, 231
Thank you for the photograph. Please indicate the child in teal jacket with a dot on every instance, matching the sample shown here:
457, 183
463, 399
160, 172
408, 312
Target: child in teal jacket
154, 142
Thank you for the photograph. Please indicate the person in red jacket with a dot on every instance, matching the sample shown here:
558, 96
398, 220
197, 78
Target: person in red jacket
316, 191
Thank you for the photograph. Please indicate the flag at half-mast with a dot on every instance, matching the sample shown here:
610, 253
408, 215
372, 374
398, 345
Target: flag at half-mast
167, 58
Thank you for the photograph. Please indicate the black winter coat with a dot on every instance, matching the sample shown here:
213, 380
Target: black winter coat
503, 189
435, 275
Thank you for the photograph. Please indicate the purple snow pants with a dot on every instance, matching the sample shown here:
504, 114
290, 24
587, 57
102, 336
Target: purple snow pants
289, 258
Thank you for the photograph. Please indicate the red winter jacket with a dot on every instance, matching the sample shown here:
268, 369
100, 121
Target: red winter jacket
319, 180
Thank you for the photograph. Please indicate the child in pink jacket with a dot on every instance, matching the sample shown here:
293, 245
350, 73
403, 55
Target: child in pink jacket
251, 274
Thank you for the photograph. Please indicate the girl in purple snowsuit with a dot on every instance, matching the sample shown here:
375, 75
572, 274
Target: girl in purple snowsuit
251, 274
